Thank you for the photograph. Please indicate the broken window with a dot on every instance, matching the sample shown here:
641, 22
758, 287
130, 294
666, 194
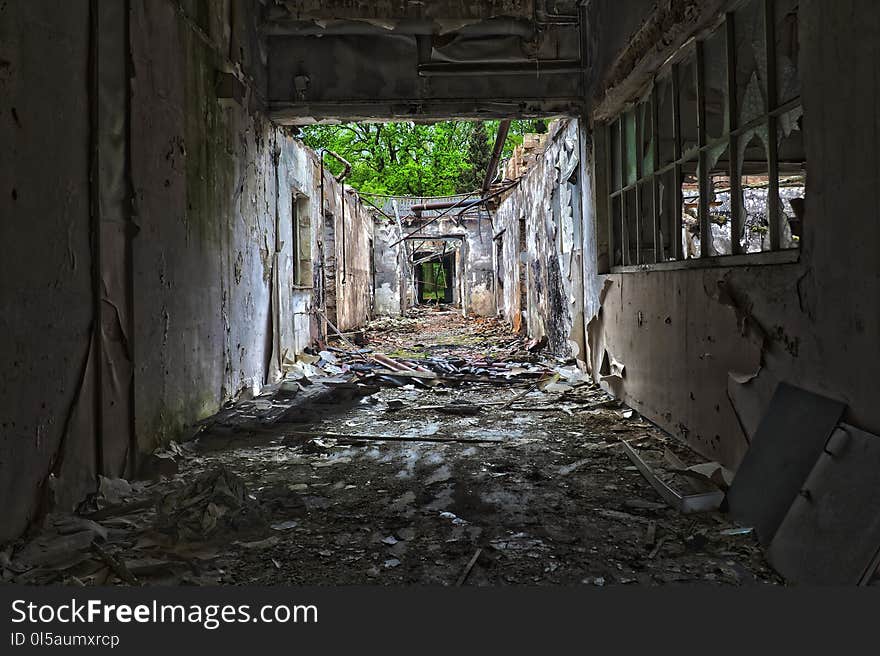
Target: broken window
302, 242
711, 161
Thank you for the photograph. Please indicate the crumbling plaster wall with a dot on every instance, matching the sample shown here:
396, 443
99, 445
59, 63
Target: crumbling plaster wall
474, 257
46, 289
215, 185
152, 273
389, 265
354, 255
703, 349
204, 184
547, 203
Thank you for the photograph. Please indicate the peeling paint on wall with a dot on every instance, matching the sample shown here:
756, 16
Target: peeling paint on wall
540, 258
471, 243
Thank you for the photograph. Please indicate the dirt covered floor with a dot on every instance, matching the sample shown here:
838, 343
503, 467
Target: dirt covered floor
470, 457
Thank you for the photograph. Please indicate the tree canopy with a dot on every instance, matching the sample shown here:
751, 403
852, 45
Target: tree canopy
414, 159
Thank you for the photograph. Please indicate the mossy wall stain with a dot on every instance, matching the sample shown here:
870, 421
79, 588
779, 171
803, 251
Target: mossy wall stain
208, 211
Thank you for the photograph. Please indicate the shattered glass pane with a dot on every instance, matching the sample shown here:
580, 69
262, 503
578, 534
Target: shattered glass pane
792, 177
690, 208
715, 68
687, 78
646, 138
751, 62
788, 83
666, 212
630, 236
616, 166
646, 223
666, 132
718, 163
753, 168
630, 150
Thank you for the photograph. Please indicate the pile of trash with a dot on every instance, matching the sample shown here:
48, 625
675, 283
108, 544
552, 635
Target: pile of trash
392, 323
498, 357
217, 501
336, 366
126, 531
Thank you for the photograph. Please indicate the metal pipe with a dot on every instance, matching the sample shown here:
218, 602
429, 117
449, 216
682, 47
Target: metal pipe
339, 158
490, 27
500, 139
446, 211
376, 207
481, 68
340, 179
443, 205
342, 203
322, 300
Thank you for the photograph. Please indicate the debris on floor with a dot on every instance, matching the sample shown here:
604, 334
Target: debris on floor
441, 451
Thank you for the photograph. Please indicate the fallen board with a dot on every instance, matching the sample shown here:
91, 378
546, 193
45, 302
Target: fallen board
831, 534
785, 448
685, 504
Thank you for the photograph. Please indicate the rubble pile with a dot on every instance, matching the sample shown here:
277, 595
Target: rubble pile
216, 502
474, 350
439, 450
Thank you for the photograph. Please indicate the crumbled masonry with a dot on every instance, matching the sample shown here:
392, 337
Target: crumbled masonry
496, 449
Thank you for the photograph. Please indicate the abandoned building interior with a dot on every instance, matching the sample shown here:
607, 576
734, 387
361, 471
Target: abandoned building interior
644, 352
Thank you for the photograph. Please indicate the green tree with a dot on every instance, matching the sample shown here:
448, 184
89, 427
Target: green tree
414, 159
479, 152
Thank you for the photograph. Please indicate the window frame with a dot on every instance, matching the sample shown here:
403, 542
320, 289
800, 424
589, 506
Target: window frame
301, 248
732, 132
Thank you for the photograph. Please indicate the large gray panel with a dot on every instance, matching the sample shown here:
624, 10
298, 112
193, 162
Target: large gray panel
789, 439
832, 531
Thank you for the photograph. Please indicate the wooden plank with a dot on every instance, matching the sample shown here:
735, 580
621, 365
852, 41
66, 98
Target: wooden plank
469, 567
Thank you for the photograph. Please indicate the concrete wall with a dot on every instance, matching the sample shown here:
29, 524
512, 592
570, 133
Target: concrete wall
703, 349
548, 257
205, 196
46, 279
475, 274
354, 254
389, 292
215, 187
150, 205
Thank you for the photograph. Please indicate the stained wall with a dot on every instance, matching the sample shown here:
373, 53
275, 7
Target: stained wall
539, 245
151, 205
703, 349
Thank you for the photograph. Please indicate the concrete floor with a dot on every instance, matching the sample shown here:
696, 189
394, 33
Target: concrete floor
545, 496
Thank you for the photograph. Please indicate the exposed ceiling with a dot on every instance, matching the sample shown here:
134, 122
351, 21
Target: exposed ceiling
422, 59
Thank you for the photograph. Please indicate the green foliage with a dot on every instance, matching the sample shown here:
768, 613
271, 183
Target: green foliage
434, 275
479, 152
412, 159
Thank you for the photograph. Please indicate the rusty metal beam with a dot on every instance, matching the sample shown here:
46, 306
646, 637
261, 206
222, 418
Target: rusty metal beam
503, 131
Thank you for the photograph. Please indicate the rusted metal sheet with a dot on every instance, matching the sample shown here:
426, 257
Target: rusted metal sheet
683, 503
